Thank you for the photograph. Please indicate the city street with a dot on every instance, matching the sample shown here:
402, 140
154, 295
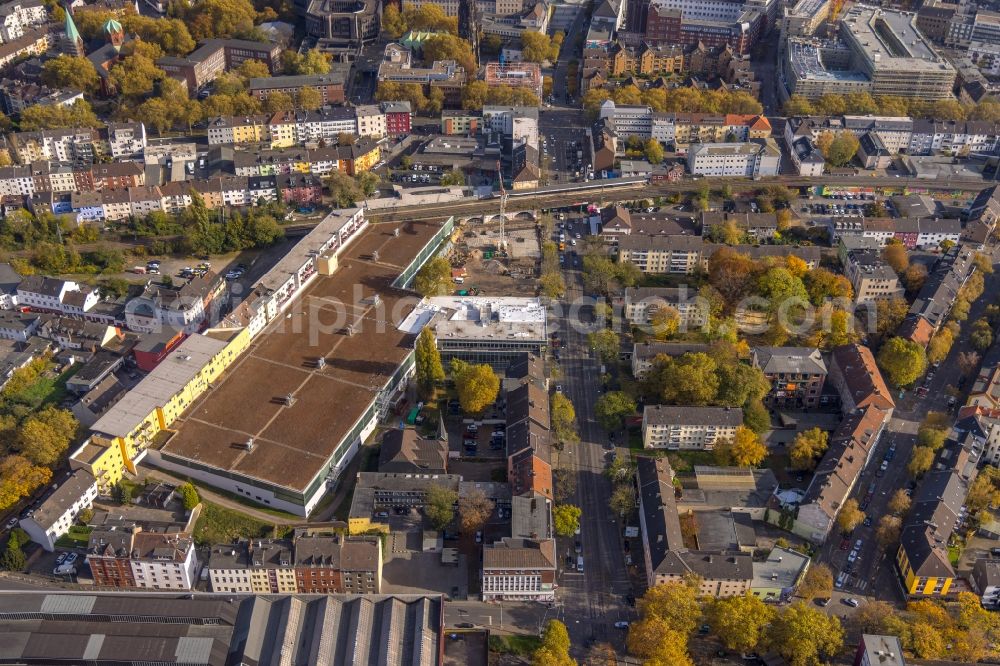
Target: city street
875, 574
594, 600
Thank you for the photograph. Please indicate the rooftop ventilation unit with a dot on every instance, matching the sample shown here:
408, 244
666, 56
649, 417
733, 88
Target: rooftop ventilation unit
249, 445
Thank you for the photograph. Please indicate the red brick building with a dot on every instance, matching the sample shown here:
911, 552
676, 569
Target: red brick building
325, 565
397, 118
110, 557
118, 175
667, 26
299, 188
153, 348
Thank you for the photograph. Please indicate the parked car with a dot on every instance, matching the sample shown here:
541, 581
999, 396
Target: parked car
852, 602
622, 624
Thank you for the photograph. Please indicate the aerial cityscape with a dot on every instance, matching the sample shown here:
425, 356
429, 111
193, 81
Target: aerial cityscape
499, 332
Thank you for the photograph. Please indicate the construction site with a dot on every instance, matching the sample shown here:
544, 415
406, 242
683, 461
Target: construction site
487, 263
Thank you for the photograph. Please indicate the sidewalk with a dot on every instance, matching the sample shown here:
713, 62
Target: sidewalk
221, 500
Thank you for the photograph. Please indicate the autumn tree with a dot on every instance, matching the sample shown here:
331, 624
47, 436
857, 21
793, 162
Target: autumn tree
804, 636
896, 256
566, 519
393, 25
740, 621
429, 370
562, 416
745, 449
612, 407
433, 278
474, 509
968, 362
818, 582
807, 448
554, 648
675, 603
44, 436
220, 18
76, 72
921, 460
888, 530
653, 640
839, 148
653, 150
19, 477
535, 46
903, 361
850, 516
477, 385
899, 503
622, 500
665, 322
889, 314
439, 505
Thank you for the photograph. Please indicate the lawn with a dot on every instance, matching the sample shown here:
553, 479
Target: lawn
77, 537
954, 555
49, 389
220, 525
515, 644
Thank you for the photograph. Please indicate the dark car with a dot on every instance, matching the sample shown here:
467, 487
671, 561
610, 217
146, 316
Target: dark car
465, 625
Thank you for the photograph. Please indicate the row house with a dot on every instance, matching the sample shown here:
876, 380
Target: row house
236, 130
954, 137
79, 144
357, 158
306, 564
118, 175
34, 42
125, 556
54, 295
300, 189
913, 232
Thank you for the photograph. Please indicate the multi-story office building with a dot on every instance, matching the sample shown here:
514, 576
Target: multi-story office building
687, 427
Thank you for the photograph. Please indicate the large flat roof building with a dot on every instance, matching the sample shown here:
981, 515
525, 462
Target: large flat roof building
889, 49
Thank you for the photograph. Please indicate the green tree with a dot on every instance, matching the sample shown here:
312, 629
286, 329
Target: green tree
477, 385
622, 500
566, 519
189, 495
562, 416
121, 493
903, 361
434, 277
807, 448
13, 559
740, 622
818, 582
850, 516
76, 72
429, 370
453, 178
439, 505
689, 379
605, 343
804, 635
612, 407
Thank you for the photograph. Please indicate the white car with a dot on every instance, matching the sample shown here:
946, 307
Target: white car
841, 579
853, 556
852, 602
622, 624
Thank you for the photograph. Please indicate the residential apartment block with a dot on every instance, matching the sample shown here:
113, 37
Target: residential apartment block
641, 304
871, 277
796, 374
753, 159
58, 511
688, 427
128, 557
666, 559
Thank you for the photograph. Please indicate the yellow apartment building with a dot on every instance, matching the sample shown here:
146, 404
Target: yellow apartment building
158, 400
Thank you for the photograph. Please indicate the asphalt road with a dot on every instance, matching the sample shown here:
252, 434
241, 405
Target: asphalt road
594, 600
874, 573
